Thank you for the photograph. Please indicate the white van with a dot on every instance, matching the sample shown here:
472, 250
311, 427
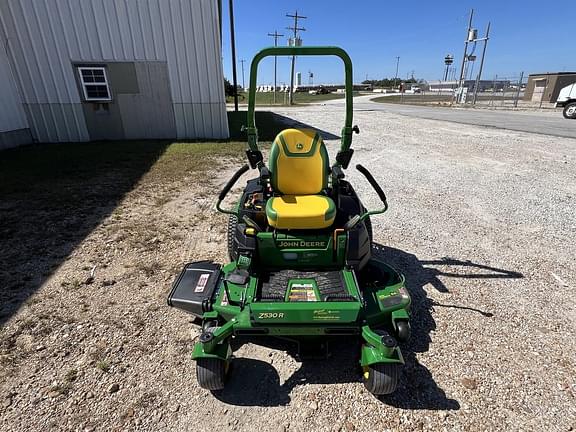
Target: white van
567, 99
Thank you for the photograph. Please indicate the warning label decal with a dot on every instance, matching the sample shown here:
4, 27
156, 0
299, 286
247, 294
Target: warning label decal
202, 282
302, 292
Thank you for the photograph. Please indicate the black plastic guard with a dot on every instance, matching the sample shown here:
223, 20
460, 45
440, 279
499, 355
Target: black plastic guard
343, 157
359, 250
194, 288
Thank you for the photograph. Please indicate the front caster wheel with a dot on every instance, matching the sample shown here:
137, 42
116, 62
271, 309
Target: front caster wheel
211, 373
381, 378
403, 331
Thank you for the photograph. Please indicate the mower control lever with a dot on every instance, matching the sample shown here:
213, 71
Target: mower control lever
374, 184
359, 218
228, 186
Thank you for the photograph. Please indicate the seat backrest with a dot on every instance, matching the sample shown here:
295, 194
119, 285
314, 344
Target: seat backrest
299, 162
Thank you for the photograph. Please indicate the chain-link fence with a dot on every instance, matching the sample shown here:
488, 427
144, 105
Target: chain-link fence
500, 91
520, 91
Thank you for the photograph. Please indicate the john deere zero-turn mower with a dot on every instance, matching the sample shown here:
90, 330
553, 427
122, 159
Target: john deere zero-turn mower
301, 268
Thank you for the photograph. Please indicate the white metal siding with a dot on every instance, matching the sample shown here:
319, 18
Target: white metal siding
12, 115
46, 36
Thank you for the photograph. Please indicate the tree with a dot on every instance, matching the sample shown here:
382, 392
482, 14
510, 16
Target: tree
228, 88
390, 82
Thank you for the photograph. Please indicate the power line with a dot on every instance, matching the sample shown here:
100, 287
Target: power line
397, 64
243, 86
295, 42
275, 35
479, 77
469, 38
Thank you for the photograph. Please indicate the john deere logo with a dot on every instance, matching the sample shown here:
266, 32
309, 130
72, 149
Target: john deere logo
299, 146
301, 244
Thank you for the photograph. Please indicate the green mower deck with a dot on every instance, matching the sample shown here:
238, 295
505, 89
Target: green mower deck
298, 283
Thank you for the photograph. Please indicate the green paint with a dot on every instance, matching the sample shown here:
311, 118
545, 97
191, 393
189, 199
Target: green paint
302, 315
274, 252
222, 352
270, 212
252, 131
306, 312
331, 212
371, 355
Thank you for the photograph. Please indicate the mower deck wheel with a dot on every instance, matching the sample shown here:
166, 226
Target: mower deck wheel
381, 378
211, 373
403, 330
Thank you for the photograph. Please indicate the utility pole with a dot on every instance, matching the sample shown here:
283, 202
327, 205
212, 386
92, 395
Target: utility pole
275, 35
461, 79
518, 89
243, 87
471, 59
295, 29
233, 43
478, 78
397, 64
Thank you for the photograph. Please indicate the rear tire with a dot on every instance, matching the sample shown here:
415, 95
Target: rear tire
211, 373
570, 111
381, 378
232, 252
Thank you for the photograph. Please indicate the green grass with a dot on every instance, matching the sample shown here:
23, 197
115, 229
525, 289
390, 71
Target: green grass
71, 375
282, 98
103, 365
45, 166
54, 195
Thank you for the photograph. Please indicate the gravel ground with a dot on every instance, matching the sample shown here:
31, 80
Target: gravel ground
482, 224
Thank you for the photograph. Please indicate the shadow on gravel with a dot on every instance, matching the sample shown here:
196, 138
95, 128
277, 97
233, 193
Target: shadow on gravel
51, 197
269, 124
257, 383
290, 122
253, 383
417, 388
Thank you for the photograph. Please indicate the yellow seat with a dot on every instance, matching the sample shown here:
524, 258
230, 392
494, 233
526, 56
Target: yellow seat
300, 211
299, 172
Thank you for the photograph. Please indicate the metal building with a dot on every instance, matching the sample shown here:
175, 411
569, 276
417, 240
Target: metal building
546, 87
483, 85
76, 70
14, 128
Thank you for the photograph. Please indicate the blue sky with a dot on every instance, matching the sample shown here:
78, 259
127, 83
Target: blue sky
528, 36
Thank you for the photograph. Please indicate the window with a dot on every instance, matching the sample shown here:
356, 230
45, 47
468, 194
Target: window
94, 84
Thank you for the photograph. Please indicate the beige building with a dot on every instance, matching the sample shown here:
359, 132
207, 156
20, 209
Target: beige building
545, 87
111, 69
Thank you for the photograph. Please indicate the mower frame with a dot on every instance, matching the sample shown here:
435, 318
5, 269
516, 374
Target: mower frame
371, 303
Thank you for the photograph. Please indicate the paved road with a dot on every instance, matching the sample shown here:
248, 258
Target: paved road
545, 123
